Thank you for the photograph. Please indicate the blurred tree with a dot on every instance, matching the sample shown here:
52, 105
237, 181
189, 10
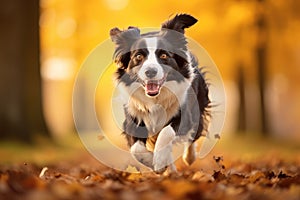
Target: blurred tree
20, 82
261, 56
255, 24
241, 120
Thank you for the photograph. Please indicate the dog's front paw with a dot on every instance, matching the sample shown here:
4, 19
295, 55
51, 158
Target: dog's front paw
141, 154
162, 159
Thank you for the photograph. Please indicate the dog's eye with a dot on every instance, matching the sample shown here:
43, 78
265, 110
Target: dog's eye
163, 56
139, 57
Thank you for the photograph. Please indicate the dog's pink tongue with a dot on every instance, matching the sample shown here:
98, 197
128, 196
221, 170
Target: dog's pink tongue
152, 89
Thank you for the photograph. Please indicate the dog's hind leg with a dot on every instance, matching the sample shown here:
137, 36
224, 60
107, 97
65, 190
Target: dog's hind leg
141, 154
189, 154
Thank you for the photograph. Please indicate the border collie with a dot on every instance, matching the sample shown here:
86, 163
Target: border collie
167, 95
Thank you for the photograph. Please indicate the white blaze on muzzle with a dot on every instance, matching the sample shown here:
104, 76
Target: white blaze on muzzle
151, 72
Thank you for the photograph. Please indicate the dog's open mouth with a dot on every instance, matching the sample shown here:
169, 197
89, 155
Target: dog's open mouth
152, 87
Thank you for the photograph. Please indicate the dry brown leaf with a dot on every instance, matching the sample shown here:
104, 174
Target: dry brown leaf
202, 177
219, 176
132, 169
255, 176
287, 182
135, 177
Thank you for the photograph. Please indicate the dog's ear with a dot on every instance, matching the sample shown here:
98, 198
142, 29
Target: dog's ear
123, 41
114, 33
129, 35
179, 22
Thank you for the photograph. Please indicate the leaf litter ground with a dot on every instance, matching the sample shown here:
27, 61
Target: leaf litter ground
221, 176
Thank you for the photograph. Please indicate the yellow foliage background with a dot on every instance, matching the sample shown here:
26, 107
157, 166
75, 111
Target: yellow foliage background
70, 29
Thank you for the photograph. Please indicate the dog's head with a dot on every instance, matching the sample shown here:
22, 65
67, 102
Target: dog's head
152, 59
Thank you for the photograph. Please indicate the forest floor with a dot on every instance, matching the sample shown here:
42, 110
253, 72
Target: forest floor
238, 168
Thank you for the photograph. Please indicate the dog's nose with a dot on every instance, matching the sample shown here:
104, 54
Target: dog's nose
151, 72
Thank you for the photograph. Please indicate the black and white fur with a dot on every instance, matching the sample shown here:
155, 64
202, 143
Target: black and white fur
167, 96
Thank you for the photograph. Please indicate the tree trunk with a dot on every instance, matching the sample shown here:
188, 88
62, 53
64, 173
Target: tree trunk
261, 56
241, 126
20, 82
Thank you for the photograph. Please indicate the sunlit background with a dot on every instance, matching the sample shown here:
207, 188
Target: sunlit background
239, 35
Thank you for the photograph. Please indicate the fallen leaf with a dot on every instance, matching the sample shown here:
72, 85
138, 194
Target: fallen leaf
132, 169
255, 176
43, 172
202, 177
218, 176
283, 175
287, 182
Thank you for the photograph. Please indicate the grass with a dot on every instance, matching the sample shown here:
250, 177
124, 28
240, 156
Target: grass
255, 148
41, 151
246, 148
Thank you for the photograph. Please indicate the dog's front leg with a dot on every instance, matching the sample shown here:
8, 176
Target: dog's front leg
163, 150
141, 154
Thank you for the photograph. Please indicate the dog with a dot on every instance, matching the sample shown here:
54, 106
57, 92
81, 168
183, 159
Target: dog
167, 94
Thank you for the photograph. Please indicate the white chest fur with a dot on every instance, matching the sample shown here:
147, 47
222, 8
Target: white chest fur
156, 112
